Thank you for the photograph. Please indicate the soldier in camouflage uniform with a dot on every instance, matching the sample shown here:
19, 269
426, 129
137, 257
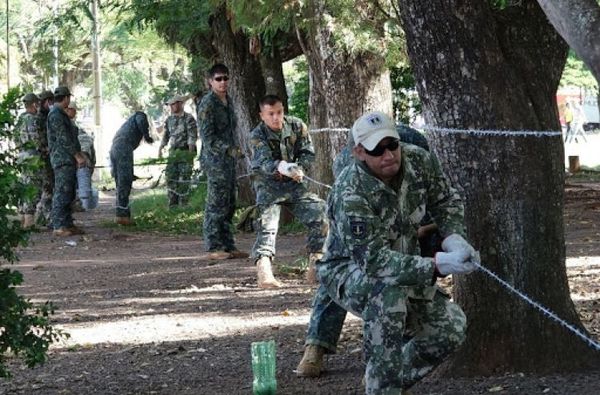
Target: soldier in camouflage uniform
220, 151
181, 133
372, 265
126, 140
27, 128
84, 173
281, 152
45, 205
65, 157
328, 317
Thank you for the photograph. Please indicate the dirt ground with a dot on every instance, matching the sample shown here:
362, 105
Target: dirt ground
147, 314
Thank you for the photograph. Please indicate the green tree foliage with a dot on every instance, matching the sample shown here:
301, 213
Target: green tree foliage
24, 328
576, 73
296, 76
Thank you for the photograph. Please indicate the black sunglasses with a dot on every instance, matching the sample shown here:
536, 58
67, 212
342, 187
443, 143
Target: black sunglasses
380, 148
222, 78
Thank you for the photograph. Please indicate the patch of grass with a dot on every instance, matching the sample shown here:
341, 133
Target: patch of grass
591, 174
296, 267
293, 227
151, 213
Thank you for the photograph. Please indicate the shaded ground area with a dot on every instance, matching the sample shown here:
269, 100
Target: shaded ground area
148, 314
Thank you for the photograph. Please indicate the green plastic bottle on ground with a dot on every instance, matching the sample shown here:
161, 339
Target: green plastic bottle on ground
263, 368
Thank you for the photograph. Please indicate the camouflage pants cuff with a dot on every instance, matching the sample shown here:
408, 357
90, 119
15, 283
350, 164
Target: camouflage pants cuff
330, 349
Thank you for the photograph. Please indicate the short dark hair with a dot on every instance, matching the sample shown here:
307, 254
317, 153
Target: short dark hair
269, 100
218, 68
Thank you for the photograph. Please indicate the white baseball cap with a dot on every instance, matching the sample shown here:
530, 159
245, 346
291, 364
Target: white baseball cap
371, 128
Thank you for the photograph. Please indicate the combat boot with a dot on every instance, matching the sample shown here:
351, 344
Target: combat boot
312, 361
311, 272
265, 274
218, 255
28, 221
62, 232
125, 221
75, 230
237, 254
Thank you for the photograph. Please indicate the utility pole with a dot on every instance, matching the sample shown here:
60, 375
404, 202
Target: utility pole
96, 65
55, 44
7, 48
97, 72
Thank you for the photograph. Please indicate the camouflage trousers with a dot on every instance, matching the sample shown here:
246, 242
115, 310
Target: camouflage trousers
308, 208
65, 182
122, 171
217, 228
437, 328
179, 172
30, 206
44, 206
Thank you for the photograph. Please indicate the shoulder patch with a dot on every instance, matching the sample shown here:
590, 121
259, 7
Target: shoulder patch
358, 228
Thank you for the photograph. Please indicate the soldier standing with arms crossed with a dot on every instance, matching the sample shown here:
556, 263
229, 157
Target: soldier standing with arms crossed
181, 134
220, 151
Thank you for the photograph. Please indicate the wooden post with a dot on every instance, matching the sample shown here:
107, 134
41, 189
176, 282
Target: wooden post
574, 165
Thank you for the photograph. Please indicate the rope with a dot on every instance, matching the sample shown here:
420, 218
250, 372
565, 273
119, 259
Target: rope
317, 182
480, 132
545, 311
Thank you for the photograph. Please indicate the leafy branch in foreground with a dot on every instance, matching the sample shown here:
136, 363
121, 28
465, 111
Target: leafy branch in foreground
25, 330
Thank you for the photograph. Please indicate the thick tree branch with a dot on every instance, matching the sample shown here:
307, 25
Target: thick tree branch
578, 23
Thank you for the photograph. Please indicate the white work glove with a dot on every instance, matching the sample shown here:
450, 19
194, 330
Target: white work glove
291, 170
456, 243
454, 263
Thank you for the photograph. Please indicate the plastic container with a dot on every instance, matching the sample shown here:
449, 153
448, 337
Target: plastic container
263, 368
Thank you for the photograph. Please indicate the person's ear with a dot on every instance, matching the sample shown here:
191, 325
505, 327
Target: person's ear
359, 152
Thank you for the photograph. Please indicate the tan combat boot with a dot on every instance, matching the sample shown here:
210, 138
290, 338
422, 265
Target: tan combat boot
265, 274
28, 221
312, 362
237, 254
125, 221
62, 232
218, 255
311, 272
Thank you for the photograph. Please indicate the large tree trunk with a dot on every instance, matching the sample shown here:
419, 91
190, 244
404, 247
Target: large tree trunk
343, 86
578, 22
272, 70
484, 69
246, 87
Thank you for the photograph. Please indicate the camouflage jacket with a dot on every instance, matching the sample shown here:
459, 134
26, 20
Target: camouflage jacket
62, 138
130, 134
181, 131
217, 124
373, 226
43, 131
28, 135
292, 144
86, 141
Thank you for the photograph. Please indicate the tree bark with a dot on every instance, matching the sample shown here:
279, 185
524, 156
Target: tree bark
246, 87
578, 22
272, 70
477, 68
343, 85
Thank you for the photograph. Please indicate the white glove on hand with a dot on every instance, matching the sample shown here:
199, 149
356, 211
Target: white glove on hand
454, 263
456, 243
291, 170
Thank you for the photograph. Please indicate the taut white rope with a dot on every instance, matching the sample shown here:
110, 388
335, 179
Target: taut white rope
547, 312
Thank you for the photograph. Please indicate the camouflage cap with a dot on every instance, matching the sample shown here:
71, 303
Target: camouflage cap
371, 128
30, 98
177, 98
62, 91
46, 95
